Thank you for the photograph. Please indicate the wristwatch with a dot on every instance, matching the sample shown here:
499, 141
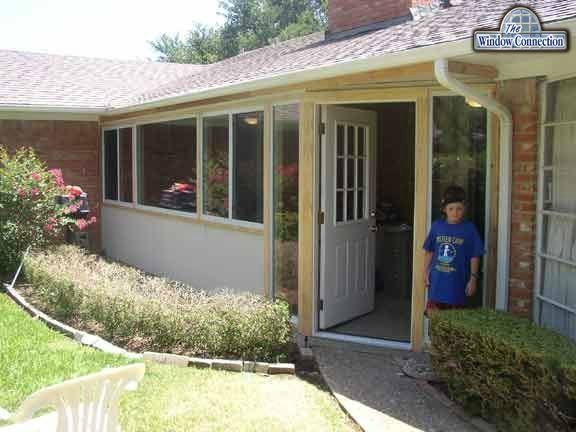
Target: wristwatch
474, 275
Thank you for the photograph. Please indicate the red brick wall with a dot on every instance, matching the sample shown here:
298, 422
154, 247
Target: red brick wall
521, 97
69, 145
349, 14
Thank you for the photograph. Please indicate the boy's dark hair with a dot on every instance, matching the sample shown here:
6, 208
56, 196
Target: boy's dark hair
453, 194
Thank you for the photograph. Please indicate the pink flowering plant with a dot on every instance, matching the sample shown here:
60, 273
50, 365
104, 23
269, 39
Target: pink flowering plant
30, 212
216, 192
287, 202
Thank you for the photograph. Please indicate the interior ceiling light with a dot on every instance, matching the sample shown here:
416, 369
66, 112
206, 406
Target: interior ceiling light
472, 103
252, 121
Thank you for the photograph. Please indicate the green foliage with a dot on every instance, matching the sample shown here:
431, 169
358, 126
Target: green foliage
506, 369
249, 24
202, 45
216, 189
286, 195
145, 312
29, 213
286, 226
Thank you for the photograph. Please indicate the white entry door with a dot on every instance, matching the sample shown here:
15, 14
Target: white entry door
347, 200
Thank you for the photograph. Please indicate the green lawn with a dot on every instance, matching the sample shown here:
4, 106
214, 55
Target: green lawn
32, 356
169, 398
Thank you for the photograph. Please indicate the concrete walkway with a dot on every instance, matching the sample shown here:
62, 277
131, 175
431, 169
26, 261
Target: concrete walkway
375, 392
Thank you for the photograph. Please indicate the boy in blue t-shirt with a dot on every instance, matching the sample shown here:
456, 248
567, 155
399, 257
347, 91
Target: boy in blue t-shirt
453, 250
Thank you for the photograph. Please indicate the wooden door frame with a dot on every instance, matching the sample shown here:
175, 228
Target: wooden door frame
309, 199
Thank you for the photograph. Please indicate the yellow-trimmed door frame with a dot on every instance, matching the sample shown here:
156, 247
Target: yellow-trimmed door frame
309, 205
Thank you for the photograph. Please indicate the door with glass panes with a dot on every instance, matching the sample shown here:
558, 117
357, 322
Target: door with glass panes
347, 238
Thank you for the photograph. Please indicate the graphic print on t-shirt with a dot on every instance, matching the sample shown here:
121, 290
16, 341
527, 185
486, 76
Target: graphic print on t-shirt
446, 253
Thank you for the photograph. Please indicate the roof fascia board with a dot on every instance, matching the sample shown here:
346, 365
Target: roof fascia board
415, 55
47, 115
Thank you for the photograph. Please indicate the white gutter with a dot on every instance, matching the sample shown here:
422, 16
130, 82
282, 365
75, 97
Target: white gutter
505, 116
51, 109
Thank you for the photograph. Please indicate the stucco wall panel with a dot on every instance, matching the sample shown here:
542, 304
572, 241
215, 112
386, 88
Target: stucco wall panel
200, 255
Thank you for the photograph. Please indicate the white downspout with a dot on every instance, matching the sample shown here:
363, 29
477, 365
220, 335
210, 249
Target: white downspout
504, 210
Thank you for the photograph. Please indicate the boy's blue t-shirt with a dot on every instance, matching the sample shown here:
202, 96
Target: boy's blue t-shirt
453, 245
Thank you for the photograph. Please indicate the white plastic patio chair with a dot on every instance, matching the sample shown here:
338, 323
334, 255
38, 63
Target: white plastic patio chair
86, 404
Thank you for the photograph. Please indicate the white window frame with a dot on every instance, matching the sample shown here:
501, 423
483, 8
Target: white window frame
117, 201
136, 168
540, 256
230, 114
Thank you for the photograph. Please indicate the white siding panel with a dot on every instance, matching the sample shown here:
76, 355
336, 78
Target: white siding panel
202, 256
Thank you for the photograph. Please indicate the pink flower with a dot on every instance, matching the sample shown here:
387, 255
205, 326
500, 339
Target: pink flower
218, 178
71, 209
57, 173
288, 170
81, 224
48, 227
74, 191
21, 193
35, 191
36, 177
52, 220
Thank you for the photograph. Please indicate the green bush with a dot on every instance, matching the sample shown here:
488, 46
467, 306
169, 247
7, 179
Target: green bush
143, 312
506, 369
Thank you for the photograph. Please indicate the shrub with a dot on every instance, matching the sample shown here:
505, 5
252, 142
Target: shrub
506, 369
30, 214
145, 312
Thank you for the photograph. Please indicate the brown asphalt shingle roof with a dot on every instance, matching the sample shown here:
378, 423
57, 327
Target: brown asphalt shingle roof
81, 82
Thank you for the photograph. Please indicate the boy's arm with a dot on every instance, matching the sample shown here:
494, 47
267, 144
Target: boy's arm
473, 283
427, 261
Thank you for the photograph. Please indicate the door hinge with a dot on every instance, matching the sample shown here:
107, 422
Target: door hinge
321, 218
322, 128
321, 305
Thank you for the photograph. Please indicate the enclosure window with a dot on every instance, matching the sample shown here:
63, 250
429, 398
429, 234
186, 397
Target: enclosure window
459, 157
111, 165
285, 201
216, 161
556, 255
247, 194
167, 165
233, 166
118, 164
125, 155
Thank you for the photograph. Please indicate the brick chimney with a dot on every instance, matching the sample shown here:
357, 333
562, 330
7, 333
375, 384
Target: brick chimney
346, 15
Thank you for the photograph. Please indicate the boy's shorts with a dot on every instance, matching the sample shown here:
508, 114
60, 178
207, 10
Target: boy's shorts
432, 305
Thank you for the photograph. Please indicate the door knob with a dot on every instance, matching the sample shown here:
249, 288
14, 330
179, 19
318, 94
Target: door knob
373, 228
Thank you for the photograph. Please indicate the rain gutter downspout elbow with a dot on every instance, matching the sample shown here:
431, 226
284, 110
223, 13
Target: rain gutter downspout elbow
445, 78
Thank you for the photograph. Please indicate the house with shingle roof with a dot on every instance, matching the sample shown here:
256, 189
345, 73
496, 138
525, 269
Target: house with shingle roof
312, 169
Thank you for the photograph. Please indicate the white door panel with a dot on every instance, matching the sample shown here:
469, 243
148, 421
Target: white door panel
348, 196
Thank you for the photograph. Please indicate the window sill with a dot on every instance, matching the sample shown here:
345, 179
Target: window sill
232, 222
194, 218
